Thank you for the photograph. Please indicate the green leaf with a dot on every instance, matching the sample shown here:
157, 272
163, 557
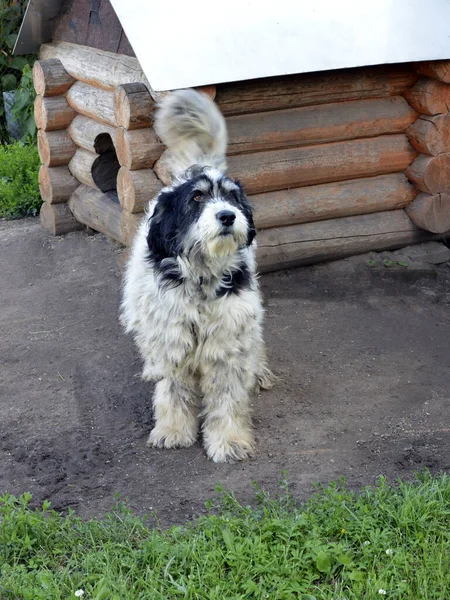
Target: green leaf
22, 99
307, 597
18, 62
356, 576
9, 82
344, 559
228, 538
10, 40
323, 563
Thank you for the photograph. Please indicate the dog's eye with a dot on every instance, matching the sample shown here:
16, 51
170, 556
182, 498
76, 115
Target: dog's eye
198, 196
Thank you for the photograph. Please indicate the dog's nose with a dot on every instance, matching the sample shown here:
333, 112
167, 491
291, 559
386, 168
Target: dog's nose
226, 217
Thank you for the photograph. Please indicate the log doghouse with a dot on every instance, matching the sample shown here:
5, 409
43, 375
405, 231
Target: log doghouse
334, 162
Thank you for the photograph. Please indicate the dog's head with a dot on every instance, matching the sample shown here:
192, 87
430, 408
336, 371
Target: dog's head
204, 217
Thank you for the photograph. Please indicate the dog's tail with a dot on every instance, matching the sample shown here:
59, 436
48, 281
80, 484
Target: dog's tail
193, 129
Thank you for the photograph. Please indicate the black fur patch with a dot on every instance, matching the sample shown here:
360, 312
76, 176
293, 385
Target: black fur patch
234, 282
246, 208
174, 214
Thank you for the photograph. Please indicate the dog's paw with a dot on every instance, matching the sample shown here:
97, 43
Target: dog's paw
230, 450
168, 437
265, 379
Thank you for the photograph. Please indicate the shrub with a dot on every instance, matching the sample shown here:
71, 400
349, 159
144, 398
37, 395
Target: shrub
15, 76
19, 188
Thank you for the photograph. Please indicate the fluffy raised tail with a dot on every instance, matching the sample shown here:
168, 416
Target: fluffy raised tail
194, 131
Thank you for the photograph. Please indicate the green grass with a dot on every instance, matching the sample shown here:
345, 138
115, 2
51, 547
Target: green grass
19, 188
338, 545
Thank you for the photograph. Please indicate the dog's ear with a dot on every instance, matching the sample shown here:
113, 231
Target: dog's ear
247, 210
162, 235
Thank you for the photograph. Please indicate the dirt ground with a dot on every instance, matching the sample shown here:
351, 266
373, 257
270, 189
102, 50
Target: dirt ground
363, 355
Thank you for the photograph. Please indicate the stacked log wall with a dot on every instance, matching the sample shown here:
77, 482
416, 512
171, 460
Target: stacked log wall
53, 115
322, 156
430, 135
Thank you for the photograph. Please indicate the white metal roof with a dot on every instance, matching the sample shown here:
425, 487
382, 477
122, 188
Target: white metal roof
184, 43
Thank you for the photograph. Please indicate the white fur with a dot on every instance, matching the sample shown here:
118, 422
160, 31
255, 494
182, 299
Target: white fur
205, 352
193, 129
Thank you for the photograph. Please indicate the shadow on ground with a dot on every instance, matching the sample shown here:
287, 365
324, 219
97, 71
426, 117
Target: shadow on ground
363, 355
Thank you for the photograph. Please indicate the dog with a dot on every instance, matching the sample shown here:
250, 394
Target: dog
191, 297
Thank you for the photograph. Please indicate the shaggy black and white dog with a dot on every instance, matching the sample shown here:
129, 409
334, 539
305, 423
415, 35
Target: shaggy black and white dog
191, 297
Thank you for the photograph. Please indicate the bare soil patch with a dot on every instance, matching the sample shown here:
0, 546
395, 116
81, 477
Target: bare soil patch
363, 354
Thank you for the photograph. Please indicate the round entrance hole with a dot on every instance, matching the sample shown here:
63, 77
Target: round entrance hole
106, 166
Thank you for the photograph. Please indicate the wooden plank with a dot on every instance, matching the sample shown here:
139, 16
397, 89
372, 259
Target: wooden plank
332, 200
94, 209
429, 97
125, 46
129, 225
311, 89
430, 135
134, 107
103, 29
72, 21
288, 247
295, 167
84, 132
138, 149
437, 69
50, 78
57, 219
52, 113
137, 188
318, 124
81, 164
96, 67
431, 174
92, 102
431, 212
55, 148
56, 184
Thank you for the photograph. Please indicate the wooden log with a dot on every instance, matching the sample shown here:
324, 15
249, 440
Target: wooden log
137, 188
133, 105
429, 97
81, 166
93, 102
430, 135
57, 219
138, 149
437, 69
56, 184
431, 212
295, 167
94, 209
309, 243
313, 89
431, 174
318, 124
129, 224
84, 132
50, 78
163, 168
52, 113
332, 200
55, 148
94, 66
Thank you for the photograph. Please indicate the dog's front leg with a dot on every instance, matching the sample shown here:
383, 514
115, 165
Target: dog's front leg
227, 430
176, 407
